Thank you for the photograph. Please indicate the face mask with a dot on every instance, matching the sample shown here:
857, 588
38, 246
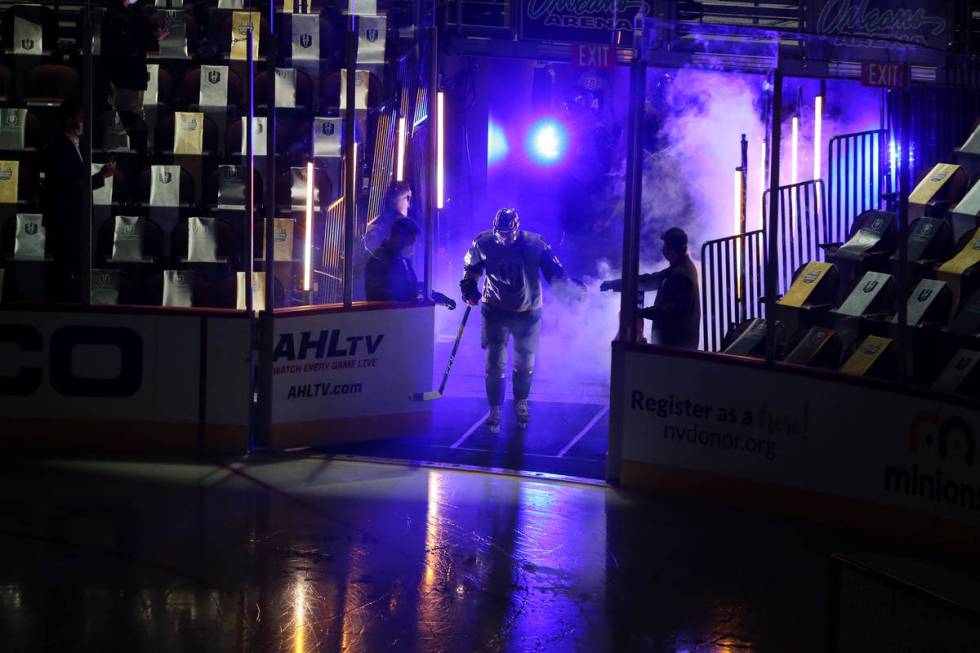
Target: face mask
505, 238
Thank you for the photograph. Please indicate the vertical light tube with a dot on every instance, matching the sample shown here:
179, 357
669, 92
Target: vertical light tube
737, 204
353, 182
794, 154
763, 177
308, 242
400, 162
817, 136
737, 215
440, 150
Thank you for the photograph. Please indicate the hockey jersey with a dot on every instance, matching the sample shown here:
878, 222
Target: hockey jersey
513, 272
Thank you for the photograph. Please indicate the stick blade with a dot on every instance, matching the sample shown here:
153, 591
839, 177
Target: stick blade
425, 396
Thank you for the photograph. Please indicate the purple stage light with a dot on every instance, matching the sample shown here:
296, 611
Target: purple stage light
497, 146
547, 141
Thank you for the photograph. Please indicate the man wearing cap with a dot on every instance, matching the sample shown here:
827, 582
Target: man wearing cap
676, 311
513, 261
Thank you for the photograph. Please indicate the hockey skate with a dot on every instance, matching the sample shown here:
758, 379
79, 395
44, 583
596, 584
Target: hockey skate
522, 411
493, 420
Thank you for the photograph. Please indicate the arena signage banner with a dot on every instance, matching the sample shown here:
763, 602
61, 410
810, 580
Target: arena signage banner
855, 22
332, 366
578, 21
782, 429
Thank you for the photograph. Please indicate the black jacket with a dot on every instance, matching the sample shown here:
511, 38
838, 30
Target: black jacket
676, 311
389, 277
126, 38
67, 181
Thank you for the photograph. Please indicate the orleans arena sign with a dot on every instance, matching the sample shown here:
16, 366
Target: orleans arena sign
850, 22
578, 20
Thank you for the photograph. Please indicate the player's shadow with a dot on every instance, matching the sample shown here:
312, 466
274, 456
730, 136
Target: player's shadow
508, 450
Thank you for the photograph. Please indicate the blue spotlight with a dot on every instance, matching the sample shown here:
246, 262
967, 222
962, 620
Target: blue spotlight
496, 143
547, 141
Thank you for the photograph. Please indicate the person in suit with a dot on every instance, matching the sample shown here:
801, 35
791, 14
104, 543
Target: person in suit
68, 182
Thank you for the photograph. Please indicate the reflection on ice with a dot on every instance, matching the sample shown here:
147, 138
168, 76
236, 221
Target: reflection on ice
313, 555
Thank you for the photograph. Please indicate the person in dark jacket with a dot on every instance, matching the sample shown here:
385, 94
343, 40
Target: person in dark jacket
389, 275
397, 202
676, 311
126, 38
68, 182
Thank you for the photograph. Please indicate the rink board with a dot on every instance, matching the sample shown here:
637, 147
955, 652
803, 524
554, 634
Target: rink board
342, 376
123, 380
795, 442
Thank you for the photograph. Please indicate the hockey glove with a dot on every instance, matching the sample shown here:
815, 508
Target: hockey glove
471, 294
439, 298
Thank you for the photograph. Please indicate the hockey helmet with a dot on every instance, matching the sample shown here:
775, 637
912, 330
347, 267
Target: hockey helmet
506, 225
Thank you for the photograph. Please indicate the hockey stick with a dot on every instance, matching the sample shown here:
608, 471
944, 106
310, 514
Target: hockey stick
437, 394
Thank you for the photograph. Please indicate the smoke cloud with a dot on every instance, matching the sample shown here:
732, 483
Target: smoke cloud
692, 130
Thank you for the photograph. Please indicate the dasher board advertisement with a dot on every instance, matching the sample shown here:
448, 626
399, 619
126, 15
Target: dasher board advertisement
785, 429
122, 381
329, 366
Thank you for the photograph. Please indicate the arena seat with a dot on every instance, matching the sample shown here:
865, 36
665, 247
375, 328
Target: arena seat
930, 240
871, 295
213, 184
234, 141
285, 192
6, 83
304, 90
873, 232
190, 88
37, 14
223, 243
25, 137
166, 85
143, 186
165, 134
51, 84
111, 136
176, 46
224, 34
816, 347
330, 90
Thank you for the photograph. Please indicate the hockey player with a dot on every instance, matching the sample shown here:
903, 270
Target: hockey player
511, 304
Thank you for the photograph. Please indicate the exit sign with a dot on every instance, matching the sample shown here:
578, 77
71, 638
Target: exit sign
887, 75
593, 56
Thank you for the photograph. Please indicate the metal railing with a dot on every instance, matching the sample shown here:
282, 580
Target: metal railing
802, 226
731, 285
859, 176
